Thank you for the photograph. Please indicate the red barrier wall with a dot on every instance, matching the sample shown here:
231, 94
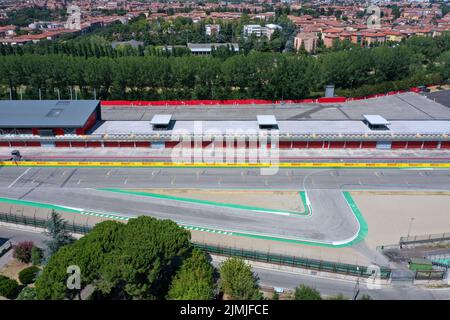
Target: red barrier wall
368, 144
445, 145
353, 144
414, 144
336, 144
430, 144
398, 144
33, 143
299, 144
93, 144
315, 144
142, 144
113, 144
62, 144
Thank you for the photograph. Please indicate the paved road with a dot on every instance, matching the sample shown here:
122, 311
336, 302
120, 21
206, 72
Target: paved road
292, 179
328, 287
290, 155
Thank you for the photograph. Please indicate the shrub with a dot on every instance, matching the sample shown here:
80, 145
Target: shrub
28, 275
22, 251
338, 296
306, 293
9, 288
36, 256
238, 281
27, 293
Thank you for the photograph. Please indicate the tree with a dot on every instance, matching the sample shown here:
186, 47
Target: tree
57, 231
238, 281
9, 288
194, 280
28, 275
36, 256
22, 251
27, 293
365, 297
303, 292
136, 260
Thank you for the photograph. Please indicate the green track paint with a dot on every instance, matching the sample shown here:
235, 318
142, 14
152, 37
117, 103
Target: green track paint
302, 195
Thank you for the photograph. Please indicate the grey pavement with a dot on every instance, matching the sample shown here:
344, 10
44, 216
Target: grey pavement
286, 155
222, 178
328, 287
442, 97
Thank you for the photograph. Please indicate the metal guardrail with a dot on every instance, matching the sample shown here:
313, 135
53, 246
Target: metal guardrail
311, 264
430, 275
429, 238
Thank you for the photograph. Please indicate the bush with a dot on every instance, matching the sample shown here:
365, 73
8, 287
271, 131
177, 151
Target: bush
338, 296
36, 256
27, 293
22, 251
9, 288
238, 281
306, 293
28, 275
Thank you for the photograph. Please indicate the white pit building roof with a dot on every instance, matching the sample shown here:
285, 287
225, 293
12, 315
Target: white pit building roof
161, 119
375, 120
266, 120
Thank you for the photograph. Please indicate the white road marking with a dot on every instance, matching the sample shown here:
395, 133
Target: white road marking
18, 178
126, 181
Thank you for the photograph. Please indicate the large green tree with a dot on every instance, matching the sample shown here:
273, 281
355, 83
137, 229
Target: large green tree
238, 281
194, 280
58, 234
136, 260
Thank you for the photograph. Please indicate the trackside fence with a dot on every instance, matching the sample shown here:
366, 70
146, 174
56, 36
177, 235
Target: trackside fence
40, 223
285, 260
424, 239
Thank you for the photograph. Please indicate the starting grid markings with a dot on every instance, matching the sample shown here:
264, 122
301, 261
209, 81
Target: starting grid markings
220, 165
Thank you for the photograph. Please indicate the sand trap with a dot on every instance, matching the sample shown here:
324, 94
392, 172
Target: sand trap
389, 214
275, 200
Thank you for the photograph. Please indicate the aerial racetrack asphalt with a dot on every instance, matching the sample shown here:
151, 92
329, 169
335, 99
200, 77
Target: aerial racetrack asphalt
335, 219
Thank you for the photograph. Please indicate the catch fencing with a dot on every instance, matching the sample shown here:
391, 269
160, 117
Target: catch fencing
292, 261
423, 239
